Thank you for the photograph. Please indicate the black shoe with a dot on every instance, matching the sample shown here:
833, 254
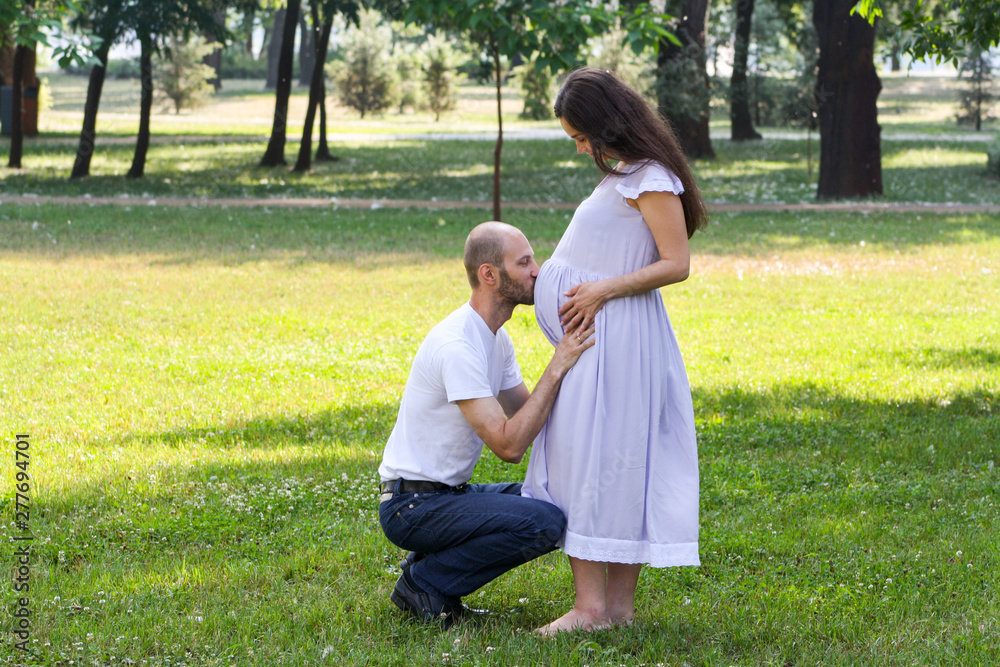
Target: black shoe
424, 606
411, 558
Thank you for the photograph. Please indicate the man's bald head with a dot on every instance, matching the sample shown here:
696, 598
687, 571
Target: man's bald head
486, 244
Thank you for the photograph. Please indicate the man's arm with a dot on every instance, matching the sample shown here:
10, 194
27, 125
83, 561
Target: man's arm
510, 438
513, 399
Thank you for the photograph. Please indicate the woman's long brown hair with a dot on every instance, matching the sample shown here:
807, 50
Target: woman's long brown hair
620, 123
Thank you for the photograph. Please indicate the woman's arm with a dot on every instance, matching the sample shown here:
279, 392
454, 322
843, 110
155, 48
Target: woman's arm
664, 214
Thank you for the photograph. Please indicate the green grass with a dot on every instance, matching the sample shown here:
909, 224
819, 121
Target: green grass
213, 152
208, 390
542, 171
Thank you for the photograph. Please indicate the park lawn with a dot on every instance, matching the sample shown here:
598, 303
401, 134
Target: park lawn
540, 171
207, 391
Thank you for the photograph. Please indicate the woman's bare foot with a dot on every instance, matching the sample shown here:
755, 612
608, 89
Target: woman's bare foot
575, 619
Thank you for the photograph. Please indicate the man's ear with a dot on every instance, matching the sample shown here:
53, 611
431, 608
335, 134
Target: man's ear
488, 274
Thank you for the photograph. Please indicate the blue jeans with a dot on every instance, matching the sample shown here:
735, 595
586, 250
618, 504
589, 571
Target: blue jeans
471, 536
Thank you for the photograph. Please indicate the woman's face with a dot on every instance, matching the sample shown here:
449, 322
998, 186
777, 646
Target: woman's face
582, 142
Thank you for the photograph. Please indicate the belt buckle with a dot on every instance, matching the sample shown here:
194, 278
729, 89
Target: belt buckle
385, 496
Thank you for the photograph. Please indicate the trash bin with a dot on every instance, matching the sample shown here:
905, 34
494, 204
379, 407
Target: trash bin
6, 102
29, 111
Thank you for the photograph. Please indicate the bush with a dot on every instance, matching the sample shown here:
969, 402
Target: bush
124, 68
238, 64
683, 93
409, 65
440, 76
182, 75
365, 78
536, 87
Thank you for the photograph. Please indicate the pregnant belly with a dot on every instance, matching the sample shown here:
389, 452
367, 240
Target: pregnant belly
553, 281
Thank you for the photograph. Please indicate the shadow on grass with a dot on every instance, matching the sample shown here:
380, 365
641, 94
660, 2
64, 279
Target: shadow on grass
794, 423
345, 439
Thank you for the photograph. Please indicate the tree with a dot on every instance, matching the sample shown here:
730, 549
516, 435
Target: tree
275, 153
169, 25
947, 32
683, 80
552, 34
26, 24
847, 89
366, 78
185, 79
105, 19
274, 42
439, 76
536, 88
974, 101
322, 15
739, 97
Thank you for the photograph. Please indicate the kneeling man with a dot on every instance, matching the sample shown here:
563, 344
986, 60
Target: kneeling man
464, 390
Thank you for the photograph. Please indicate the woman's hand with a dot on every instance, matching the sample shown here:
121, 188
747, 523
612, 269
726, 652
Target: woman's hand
585, 301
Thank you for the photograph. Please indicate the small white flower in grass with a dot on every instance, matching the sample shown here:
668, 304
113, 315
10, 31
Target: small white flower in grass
328, 651
490, 649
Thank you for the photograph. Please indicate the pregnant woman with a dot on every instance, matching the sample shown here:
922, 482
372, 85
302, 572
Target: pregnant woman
618, 454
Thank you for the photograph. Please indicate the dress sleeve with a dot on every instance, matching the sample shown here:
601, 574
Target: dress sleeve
650, 177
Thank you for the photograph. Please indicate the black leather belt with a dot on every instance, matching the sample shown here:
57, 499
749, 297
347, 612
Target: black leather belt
416, 486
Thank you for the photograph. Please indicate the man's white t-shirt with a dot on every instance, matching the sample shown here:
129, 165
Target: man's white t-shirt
460, 359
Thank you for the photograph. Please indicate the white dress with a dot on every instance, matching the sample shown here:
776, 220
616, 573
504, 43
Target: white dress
618, 453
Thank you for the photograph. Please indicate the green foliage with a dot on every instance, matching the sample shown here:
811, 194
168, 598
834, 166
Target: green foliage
365, 78
551, 33
949, 31
536, 89
118, 68
609, 51
409, 71
238, 64
27, 26
682, 82
182, 76
440, 76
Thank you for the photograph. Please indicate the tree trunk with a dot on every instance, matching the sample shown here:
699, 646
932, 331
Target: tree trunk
323, 153
894, 55
17, 101
307, 51
739, 101
88, 135
847, 88
214, 59
684, 68
145, 106
321, 40
275, 153
274, 48
499, 145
